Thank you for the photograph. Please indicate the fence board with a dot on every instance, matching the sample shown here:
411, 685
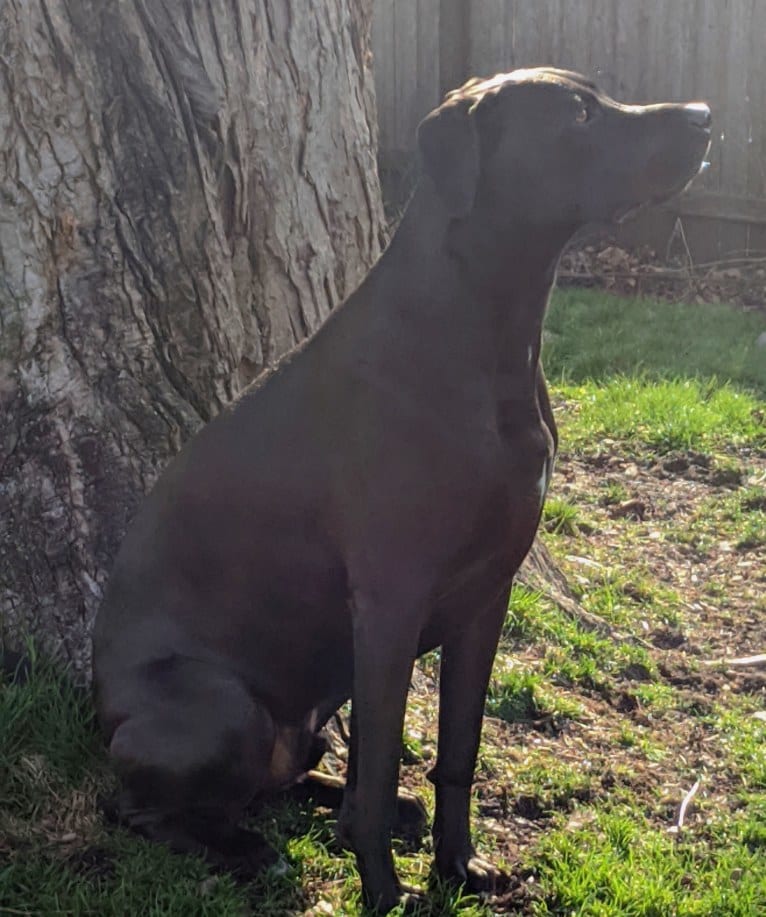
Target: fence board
489, 48
453, 48
429, 77
406, 96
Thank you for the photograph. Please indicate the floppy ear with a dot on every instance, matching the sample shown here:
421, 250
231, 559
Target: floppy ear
449, 148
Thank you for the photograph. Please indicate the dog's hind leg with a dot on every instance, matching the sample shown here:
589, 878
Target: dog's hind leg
190, 756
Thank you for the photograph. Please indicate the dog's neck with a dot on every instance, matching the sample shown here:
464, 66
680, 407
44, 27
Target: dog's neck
493, 285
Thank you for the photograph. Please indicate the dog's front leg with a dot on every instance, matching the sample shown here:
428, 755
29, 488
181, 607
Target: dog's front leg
466, 664
385, 643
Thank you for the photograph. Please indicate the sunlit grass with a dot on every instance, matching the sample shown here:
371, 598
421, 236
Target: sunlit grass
663, 415
618, 864
572, 654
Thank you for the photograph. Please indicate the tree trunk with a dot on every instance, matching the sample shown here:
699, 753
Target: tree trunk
187, 188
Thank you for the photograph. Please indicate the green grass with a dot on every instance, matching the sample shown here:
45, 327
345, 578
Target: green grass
745, 738
592, 335
618, 864
518, 696
48, 738
661, 414
545, 787
571, 654
658, 375
139, 879
560, 517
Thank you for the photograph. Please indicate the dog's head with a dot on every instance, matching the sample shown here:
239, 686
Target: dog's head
546, 148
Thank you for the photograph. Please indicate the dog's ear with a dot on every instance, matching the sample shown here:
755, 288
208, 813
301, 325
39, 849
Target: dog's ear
449, 148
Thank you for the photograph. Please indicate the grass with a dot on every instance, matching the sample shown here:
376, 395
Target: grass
738, 517
593, 736
571, 654
665, 376
619, 864
521, 696
662, 415
560, 517
595, 336
49, 738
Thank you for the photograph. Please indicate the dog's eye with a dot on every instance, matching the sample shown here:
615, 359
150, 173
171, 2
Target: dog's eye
582, 115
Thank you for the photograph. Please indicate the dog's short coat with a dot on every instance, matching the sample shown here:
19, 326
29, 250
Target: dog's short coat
374, 497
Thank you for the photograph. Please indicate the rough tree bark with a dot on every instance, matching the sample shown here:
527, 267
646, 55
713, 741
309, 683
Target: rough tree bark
187, 187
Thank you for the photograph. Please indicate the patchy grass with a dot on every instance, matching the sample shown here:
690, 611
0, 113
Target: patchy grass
593, 734
522, 696
736, 519
570, 654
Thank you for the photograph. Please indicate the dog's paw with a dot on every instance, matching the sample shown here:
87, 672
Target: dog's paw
475, 873
406, 899
243, 852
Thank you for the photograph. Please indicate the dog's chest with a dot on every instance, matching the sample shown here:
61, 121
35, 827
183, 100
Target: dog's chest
527, 457
502, 530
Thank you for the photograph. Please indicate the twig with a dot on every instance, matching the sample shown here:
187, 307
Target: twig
680, 232
758, 661
678, 827
742, 662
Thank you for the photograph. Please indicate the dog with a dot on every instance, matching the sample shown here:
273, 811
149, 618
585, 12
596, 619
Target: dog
373, 497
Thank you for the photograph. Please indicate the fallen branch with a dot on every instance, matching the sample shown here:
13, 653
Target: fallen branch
741, 662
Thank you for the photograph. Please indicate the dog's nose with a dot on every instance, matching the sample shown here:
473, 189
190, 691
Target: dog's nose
699, 115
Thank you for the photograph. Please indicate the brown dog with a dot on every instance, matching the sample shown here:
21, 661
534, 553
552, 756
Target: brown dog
374, 497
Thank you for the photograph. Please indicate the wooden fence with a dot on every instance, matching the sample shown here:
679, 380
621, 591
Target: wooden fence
638, 50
